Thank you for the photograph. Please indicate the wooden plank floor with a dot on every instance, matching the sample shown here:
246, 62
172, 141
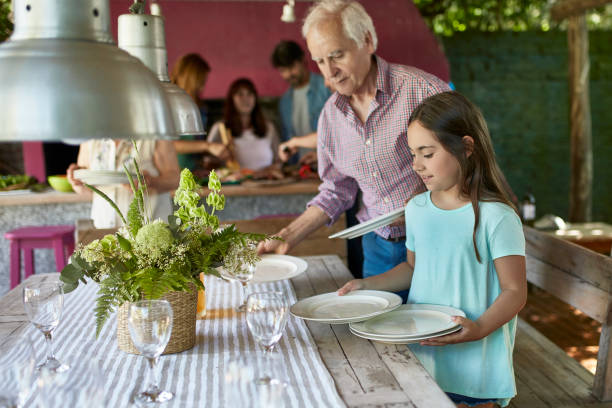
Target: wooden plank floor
571, 330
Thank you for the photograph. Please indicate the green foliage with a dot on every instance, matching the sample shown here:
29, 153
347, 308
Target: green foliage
6, 25
147, 259
446, 17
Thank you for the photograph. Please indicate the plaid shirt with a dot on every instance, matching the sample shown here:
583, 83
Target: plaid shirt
373, 156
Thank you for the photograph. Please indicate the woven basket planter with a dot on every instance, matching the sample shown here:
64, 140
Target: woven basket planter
183, 335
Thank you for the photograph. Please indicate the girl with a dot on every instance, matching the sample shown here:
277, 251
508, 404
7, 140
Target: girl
465, 249
255, 141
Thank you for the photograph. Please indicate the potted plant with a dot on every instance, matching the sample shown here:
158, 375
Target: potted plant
152, 259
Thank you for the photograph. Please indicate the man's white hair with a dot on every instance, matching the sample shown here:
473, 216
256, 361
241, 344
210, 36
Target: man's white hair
356, 22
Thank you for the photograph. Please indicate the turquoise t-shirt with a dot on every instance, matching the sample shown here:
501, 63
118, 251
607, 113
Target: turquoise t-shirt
446, 272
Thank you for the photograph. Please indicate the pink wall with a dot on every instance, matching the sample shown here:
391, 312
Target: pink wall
237, 37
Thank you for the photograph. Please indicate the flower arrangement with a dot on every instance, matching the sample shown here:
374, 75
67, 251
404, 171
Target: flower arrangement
147, 258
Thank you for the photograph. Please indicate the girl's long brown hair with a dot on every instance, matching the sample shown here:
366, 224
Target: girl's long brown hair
450, 116
232, 117
190, 73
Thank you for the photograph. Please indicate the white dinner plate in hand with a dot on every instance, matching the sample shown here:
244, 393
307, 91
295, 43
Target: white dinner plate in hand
370, 225
355, 306
411, 320
405, 340
278, 267
101, 177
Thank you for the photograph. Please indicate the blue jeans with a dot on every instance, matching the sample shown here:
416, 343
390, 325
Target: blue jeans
469, 401
380, 255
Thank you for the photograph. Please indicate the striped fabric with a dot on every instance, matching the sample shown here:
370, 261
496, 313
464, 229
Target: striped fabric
372, 157
196, 376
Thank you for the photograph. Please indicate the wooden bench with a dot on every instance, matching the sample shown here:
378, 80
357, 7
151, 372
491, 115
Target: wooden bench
546, 376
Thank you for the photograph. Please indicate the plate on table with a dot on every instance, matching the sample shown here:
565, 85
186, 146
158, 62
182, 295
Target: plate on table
355, 306
101, 177
409, 321
273, 268
370, 225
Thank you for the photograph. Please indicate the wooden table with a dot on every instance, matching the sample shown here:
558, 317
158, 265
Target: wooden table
366, 374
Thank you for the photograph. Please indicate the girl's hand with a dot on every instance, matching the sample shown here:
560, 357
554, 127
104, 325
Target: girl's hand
469, 332
350, 286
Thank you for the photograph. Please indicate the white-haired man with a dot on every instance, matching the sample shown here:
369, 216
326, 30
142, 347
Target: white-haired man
361, 132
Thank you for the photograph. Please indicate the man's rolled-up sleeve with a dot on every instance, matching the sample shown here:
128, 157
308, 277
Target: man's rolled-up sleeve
337, 191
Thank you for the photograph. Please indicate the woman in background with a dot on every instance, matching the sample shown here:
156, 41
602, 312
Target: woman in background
190, 73
253, 139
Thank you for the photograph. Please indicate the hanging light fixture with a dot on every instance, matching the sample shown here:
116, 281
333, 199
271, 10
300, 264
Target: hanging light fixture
63, 78
143, 36
288, 15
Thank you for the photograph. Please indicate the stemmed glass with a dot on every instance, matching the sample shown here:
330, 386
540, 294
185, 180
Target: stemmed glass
43, 303
238, 267
267, 317
150, 324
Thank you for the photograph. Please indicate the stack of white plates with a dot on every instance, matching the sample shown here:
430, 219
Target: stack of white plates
370, 225
101, 177
355, 306
409, 324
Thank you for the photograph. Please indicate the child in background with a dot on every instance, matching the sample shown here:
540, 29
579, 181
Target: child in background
465, 249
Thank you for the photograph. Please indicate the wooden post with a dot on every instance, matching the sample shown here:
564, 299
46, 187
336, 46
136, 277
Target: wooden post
602, 383
580, 121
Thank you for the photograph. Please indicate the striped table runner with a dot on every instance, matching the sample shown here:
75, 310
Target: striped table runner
196, 376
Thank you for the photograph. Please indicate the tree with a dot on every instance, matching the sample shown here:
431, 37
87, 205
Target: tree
446, 17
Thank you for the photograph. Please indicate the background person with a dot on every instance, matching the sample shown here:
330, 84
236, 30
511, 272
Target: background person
361, 132
301, 105
190, 73
254, 138
465, 249
157, 162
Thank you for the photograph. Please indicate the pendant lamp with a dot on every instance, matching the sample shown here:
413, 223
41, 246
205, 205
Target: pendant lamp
143, 36
64, 78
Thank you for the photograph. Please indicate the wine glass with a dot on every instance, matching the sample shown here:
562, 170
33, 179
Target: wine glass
267, 317
150, 324
43, 303
256, 381
238, 267
17, 365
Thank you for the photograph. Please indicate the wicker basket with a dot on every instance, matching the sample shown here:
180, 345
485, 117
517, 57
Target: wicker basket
183, 335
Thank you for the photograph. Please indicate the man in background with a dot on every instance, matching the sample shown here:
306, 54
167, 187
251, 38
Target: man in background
301, 105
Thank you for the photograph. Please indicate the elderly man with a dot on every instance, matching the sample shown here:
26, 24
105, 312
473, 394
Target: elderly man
301, 105
362, 142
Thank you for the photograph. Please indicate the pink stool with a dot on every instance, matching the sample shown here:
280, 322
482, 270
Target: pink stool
58, 237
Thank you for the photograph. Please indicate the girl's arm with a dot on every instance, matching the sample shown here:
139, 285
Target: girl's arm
512, 276
393, 280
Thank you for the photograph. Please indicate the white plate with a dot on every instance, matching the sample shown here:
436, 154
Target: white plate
412, 320
407, 340
101, 177
370, 225
278, 267
353, 307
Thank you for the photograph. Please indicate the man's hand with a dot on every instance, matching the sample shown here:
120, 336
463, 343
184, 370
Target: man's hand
286, 150
350, 286
273, 246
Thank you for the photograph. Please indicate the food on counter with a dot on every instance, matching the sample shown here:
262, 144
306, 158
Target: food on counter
15, 182
60, 183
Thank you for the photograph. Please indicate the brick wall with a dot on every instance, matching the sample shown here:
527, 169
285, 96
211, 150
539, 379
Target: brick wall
519, 80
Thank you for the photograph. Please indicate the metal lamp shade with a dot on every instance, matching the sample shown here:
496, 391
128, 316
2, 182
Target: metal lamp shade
63, 78
143, 36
